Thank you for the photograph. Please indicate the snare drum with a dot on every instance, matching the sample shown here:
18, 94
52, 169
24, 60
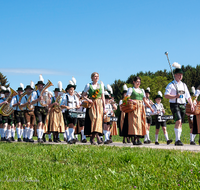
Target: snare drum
77, 114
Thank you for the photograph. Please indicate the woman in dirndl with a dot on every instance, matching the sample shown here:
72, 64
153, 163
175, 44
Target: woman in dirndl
123, 128
56, 124
94, 115
136, 119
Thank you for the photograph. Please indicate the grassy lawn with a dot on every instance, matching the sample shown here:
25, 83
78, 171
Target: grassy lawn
38, 166
42, 166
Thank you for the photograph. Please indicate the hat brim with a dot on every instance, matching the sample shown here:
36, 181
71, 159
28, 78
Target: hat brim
158, 96
69, 86
40, 82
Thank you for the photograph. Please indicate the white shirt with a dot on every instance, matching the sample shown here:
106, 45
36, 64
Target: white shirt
24, 100
96, 86
120, 102
197, 92
171, 90
81, 109
147, 109
35, 96
15, 100
158, 108
108, 108
71, 101
138, 90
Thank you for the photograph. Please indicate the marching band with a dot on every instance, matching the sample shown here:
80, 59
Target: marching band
35, 111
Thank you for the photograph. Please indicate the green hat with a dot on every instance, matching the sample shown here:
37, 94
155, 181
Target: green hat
177, 70
28, 86
20, 89
147, 90
41, 80
159, 95
69, 86
56, 90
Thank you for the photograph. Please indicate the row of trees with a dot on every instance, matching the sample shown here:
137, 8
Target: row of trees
157, 82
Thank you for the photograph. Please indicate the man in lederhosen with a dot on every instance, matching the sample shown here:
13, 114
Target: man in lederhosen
40, 111
177, 92
29, 114
19, 115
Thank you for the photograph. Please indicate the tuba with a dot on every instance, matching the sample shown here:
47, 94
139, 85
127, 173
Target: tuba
20, 107
5, 109
57, 108
29, 106
45, 100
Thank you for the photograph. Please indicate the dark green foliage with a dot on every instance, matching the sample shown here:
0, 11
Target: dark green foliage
3, 80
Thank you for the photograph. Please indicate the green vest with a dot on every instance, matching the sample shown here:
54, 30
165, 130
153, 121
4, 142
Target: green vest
53, 100
137, 96
91, 91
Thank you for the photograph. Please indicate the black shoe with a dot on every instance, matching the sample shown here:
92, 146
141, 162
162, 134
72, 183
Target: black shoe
156, 143
134, 143
44, 139
65, 139
192, 143
19, 140
107, 142
169, 141
124, 141
146, 142
100, 142
8, 140
31, 140
139, 142
27, 140
84, 141
2, 138
128, 140
58, 140
40, 140
149, 142
199, 141
24, 139
50, 140
178, 143
12, 138
76, 140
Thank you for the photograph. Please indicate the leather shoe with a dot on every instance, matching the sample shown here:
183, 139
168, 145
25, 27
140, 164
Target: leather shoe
146, 142
169, 141
107, 142
84, 141
178, 143
192, 143
12, 138
50, 140
156, 143
19, 140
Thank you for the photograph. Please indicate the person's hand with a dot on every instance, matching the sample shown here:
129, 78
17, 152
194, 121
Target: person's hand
90, 101
152, 110
5, 102
192, 108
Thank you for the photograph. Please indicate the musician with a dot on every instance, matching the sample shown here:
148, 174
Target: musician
1, 103
148, 116
190, 117
39, 111
29, 114
177, 92
56, 118
19, 115
108, 112
94, 115
81, 121
123, 128
137, 119
196, 118
159, 111
70, 102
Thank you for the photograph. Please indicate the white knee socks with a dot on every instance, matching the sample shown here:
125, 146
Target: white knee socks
82, 134
166, 136
156, 137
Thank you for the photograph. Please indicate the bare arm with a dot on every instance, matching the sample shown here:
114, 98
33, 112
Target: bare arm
190, 102
147, 104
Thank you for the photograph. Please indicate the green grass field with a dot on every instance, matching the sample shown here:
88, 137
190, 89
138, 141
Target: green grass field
42, 166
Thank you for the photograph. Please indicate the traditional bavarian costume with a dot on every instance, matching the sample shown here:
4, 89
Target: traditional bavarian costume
7, 120
56, 121
94, 115
29, 116
136, 120
72, 102
19, 116
177, 105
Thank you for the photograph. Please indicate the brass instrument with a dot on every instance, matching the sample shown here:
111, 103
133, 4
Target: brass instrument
29, 106
20, 107
5, 109
45, 101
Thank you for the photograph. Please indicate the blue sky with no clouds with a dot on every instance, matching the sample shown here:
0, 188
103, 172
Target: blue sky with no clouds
61, 39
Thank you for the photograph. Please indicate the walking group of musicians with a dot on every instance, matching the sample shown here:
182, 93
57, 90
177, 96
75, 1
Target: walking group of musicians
36, 106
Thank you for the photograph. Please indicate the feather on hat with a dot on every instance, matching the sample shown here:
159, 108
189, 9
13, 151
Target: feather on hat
176, 65
125, 88
110, 89
159, 95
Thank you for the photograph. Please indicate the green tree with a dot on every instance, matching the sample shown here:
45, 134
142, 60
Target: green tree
3, 81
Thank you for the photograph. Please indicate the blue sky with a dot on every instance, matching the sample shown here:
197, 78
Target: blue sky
66, 38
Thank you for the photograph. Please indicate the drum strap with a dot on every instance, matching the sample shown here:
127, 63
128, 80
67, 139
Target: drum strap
26, 100
37, 96
70, 101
